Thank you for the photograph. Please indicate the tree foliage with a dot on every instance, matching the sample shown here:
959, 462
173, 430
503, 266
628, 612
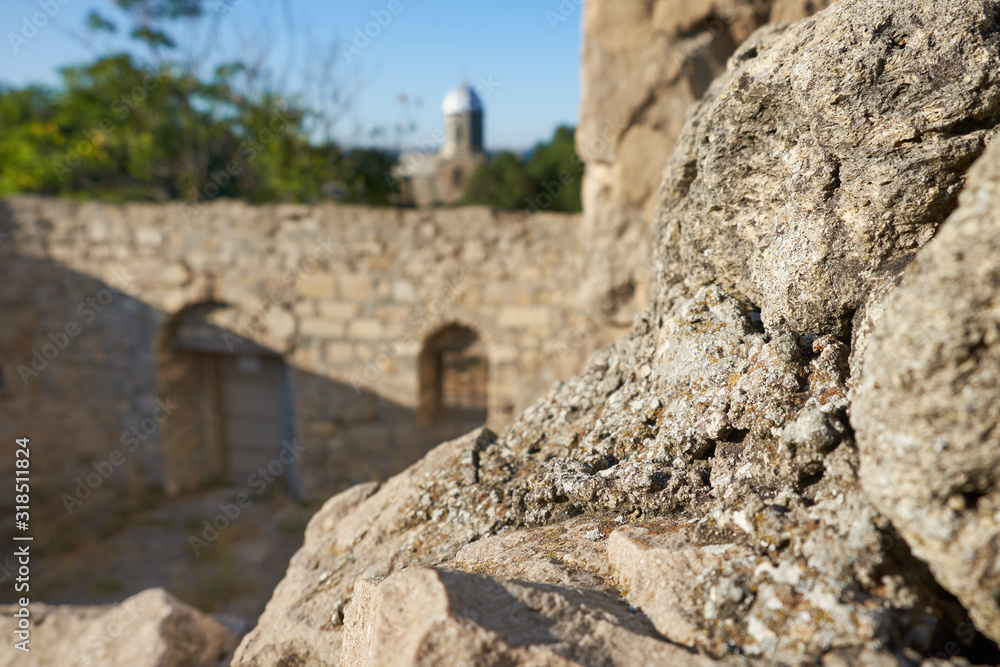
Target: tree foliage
150, 20
549, 179
119, 131
123, 128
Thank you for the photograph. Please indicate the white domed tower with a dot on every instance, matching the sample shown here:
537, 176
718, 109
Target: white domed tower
427, 180
463, 121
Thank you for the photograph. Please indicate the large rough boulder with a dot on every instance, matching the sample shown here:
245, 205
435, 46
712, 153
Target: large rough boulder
703, 469
644, 64
816, 168
928, 410
150, 629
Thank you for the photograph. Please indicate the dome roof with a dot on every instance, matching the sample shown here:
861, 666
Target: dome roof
461, 100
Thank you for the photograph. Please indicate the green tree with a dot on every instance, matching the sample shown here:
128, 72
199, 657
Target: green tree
549, 180
121, 128
500, 181
29, 134
555, 170
118, 131
150, 20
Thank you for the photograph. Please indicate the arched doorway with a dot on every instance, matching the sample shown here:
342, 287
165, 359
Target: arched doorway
240, 417
453, 378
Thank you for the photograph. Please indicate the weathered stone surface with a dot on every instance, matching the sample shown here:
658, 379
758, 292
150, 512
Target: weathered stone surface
928, 409
422, 516
661, 576
827, 155
424, 616
627, 444
151, 629
719, 425
644, 63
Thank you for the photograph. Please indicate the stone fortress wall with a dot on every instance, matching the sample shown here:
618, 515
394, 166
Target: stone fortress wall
100, 302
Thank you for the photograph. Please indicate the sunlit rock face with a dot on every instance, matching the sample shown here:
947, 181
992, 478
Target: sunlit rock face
928, 409
698, 483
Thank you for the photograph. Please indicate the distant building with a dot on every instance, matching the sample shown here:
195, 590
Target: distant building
440, 178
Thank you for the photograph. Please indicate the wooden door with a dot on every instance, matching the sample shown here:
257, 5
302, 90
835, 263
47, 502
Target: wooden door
254, 414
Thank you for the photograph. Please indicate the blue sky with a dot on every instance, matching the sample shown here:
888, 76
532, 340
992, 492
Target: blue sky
521, 54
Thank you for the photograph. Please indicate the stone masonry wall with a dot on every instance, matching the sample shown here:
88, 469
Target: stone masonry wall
346, 295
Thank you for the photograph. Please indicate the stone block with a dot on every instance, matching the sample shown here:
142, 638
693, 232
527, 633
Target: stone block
523, 294
393, 313
148, 236
338, 310
403, 290
357, 287
304, 308
339, 352
365, 329
320, 328
317, 286
495, 293
279, 328
503, 354
524, 317
364, 351
150, 628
